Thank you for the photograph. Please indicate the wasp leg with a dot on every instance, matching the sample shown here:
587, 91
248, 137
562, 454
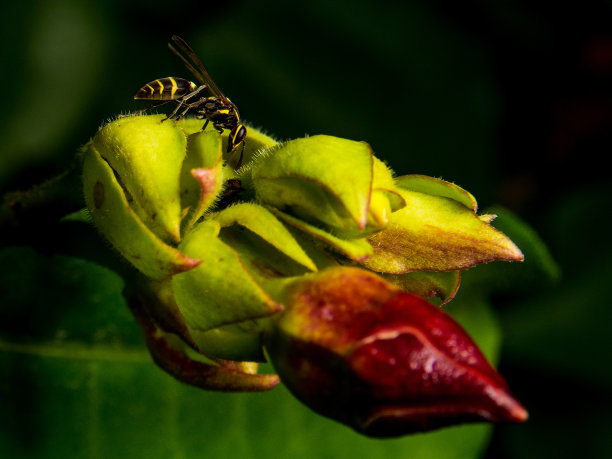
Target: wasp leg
189, 107
183, 100
180, 104
195, 92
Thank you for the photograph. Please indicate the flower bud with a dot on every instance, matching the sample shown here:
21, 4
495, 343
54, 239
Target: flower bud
225, 275
147, 183
357, 349
437, 230
221, 291
328, 181
113, 214
147, 157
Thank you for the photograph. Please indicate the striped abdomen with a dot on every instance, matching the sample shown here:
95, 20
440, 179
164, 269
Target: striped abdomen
165, 89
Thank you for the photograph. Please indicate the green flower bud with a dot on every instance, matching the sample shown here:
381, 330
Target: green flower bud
221, 290
328, 181
438, 230
147, 156
264, 224
114, 216
224, 253
147, 183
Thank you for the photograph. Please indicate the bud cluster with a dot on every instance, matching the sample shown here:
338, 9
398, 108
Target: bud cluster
313, 251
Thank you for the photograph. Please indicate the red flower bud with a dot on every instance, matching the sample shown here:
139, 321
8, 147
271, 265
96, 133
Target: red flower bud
385, 362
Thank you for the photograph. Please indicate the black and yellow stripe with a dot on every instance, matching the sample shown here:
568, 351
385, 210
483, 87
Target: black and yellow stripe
165, 89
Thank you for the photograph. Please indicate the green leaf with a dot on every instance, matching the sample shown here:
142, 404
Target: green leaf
60, 300
561, 327
538, 269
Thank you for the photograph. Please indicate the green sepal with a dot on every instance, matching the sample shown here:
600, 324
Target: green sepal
230, 342
264, 224
384, 200
437, 187
355, 249
201, 175
384, 181
146, 155
185, 363
317, 250
428, 284
434, 233
174, 357
241, 342
221, 290
112, 214
191, 125
319, 178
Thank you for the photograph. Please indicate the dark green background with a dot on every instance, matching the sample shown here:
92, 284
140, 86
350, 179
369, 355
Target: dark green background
509, 99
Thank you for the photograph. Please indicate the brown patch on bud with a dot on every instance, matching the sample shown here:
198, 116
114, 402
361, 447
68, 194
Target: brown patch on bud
98, 194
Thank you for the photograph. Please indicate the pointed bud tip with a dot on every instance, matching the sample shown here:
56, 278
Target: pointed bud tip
380, 216
515, 254
510, 408
392, 421
185, 263
519, 414
175, 232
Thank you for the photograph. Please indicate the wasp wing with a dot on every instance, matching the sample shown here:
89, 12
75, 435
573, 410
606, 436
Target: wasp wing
197, 68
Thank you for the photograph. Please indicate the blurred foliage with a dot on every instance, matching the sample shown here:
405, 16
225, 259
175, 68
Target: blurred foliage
511, 100
76, 381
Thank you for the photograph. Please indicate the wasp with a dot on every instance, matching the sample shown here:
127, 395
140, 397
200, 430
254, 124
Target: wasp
215, 107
